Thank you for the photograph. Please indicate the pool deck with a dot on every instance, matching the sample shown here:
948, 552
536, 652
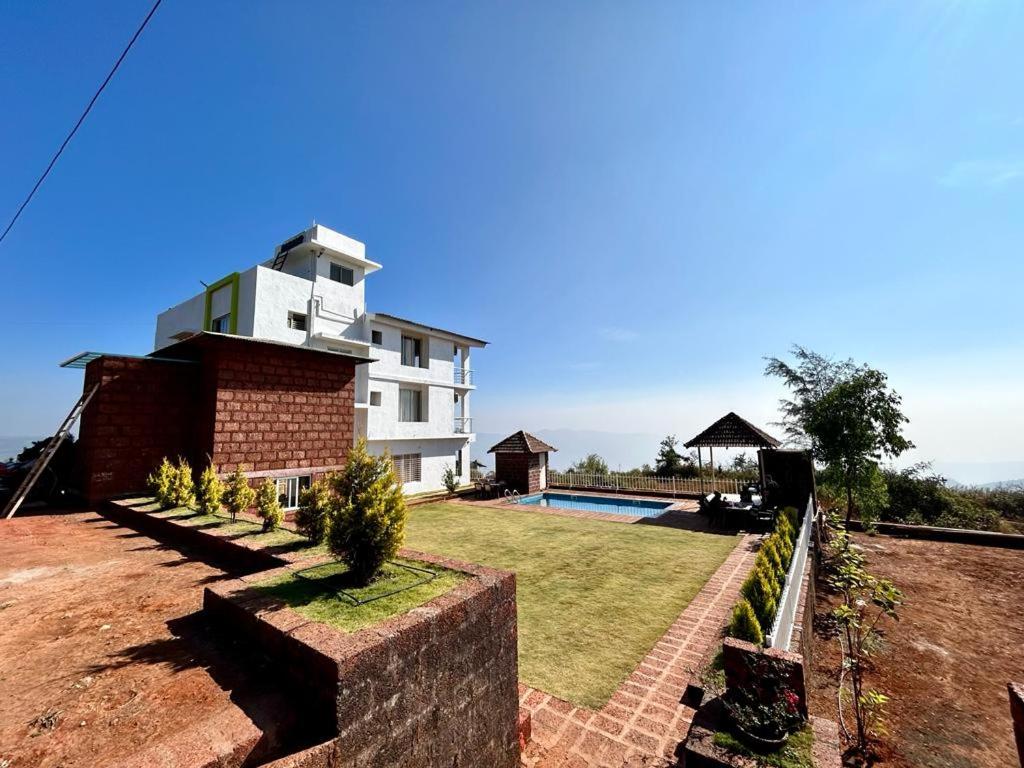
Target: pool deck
681, 513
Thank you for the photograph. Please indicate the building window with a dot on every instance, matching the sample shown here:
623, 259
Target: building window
343, 275
408, 467
296, 321
288, 490
375, 398
413, 352
458, 464
377, 337
221, 324
410, 405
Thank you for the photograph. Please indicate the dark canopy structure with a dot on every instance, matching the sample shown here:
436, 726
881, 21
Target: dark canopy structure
730, 431
521, 442
733, 431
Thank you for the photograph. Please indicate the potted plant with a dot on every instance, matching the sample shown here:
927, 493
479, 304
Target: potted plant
765, 711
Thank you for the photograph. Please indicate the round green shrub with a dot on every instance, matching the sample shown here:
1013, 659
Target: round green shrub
183, 489
209, 492
744, 624
161, 482
313, 517
267, 505
368, 524
239, 496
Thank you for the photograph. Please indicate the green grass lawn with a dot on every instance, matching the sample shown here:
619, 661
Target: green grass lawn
317, 598
594, 597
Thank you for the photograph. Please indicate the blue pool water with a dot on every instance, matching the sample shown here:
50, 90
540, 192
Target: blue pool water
608, 504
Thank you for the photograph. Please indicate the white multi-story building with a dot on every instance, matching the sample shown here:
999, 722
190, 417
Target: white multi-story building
413, 400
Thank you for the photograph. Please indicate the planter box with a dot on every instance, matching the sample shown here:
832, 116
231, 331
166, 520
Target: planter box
436, 686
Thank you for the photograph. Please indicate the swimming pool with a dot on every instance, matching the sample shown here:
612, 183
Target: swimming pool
608, 504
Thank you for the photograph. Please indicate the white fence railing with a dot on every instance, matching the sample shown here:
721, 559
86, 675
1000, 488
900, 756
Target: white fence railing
782, 628
650, 483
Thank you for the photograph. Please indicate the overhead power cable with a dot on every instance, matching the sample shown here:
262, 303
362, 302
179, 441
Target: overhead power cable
81, 119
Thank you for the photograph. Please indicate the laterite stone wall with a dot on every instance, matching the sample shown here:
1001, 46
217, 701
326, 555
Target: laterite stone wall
433, 688
287, 409
144, 410
520, 471
274, 409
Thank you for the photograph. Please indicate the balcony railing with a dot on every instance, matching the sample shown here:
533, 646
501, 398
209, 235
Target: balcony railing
464, 376
463, 425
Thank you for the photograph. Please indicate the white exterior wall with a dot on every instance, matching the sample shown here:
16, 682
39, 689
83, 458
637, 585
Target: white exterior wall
436, 456
335, 313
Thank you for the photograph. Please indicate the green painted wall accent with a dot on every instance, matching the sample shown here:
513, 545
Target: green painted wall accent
231, 280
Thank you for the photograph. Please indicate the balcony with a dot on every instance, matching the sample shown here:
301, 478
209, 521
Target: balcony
463, 425
463, 377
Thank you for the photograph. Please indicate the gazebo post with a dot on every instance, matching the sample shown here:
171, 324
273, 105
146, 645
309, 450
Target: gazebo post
711, 452
700, 471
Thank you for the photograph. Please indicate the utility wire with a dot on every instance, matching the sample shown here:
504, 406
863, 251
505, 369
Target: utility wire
81, 119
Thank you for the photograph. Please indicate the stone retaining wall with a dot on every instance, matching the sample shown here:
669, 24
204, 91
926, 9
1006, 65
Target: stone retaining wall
436, 686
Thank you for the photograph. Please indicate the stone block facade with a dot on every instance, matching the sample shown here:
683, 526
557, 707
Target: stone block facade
275, 409
286, 408
436, 686
742, 659
143, 411
520, 471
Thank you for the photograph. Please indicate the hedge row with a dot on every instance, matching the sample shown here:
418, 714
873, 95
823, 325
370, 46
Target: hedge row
754, 614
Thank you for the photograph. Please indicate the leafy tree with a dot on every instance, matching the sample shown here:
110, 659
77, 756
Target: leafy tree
853, 425
239, 496
449, 479
866, 601
845, 413
161, 482
591, 465
268, 506
313, 517
183, 489
368, 526
809, 379
209, 492
669, 461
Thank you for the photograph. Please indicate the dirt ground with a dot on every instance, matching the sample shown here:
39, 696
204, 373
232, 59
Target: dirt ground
104, 660
946, 663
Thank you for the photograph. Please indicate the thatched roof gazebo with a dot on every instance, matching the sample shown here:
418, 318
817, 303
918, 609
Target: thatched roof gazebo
730, 431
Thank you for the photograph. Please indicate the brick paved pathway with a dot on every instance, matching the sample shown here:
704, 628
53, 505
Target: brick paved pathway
643, 722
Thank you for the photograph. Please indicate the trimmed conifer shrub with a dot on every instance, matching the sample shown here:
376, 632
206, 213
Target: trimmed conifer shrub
368, 526
209, 492
770, 550
744, 624
759, 591
313, 517
239, 496
268, 506
161, 482
183, 489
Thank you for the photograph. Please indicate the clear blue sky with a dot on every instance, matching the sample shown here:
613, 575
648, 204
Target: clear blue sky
634, 202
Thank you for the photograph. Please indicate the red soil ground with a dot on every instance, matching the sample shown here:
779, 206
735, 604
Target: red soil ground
104, 660
946, 663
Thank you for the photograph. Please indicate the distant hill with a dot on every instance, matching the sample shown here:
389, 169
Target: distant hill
10, 446
621, 451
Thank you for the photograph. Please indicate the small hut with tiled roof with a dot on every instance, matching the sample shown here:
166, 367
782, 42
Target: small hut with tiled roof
521, 462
